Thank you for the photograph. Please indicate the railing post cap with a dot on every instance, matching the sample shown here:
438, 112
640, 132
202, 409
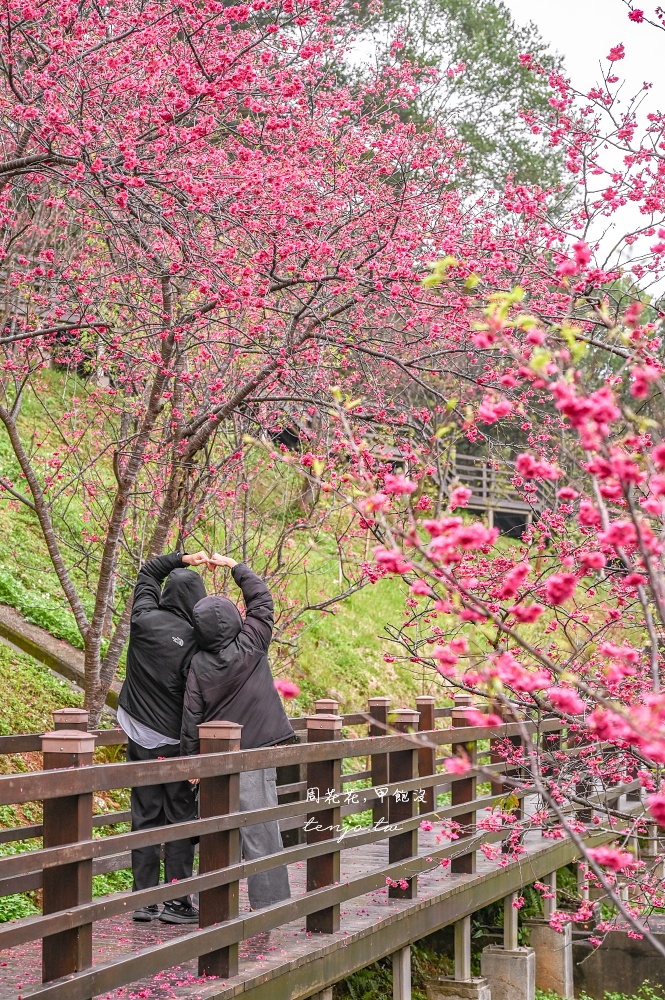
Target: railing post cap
220, 730
61, 714
322, 721
462, 698
404, 715
379, 701
326, 706
425, 699
68, 741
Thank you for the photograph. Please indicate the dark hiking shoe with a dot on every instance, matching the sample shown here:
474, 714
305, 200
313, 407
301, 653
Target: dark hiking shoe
146, 913
176, 912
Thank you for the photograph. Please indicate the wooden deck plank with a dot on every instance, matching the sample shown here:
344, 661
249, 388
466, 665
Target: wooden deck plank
283, 964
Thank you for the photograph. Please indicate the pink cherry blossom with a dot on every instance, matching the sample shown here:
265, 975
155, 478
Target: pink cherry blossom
399, 485
459, 497
459, 764
566, 700
287, 689
612, 857
656, 806
560, 587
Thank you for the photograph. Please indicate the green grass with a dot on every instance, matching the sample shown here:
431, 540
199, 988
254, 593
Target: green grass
375, 982
646, 992
30, 693
340, 655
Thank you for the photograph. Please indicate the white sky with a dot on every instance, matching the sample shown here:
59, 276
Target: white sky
584, 31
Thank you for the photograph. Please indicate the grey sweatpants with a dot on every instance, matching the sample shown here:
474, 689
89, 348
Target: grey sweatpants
258, 790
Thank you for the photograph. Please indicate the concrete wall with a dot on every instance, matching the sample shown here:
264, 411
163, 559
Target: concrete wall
620, 965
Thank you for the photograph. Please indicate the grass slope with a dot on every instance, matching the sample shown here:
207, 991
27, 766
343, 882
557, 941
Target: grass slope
339, 653
30, 693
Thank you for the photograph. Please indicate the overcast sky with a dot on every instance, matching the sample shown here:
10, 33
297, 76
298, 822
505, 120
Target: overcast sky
584, 31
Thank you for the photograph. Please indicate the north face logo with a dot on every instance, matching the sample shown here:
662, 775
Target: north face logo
176, 638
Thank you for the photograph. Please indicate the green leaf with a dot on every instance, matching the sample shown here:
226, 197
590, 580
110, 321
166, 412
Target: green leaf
439, 271
539, 360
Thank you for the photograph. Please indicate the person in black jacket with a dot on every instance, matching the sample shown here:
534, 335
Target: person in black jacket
230, 680
161, 646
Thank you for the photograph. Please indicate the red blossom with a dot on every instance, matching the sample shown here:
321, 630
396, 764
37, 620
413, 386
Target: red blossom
560, 587
398, 485
526, 613
612, 857
459, 764
616, 53
656, 806
532, 468
459, 497
566, 700
287, 689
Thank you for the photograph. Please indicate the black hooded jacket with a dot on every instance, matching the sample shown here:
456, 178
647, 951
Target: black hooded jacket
230, 678
161, 644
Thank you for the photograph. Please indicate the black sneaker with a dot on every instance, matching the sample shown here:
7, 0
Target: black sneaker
176, 912
146, 913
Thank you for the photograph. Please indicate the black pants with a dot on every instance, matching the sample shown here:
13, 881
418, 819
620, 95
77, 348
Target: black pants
160, 805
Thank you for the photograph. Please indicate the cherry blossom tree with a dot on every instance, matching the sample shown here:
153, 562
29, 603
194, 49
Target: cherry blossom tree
198, 218
568, 622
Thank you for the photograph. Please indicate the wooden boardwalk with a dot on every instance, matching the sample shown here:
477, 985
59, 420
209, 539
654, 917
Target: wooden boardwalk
289, 963
298, 948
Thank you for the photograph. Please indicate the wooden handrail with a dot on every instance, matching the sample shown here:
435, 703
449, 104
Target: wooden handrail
30, 786
22, 932
18, 743
108, 846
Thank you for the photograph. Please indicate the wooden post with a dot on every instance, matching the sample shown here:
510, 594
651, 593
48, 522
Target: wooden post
496, 757
218, 796
326, 706
464, 789
378, 710
426, 755
463, 950
582, 881
67, 820
549, 905
403, 766
291, 774
402, 974
496, 785
71, 718
510, 923
324, 778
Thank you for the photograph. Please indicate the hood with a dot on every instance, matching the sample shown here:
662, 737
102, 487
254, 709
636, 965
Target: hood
217, 622
183, 589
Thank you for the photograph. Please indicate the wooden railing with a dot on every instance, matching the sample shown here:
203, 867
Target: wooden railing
490, 482
406, 759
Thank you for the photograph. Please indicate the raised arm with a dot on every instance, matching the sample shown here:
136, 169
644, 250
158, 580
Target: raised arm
152, 574
259, 607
